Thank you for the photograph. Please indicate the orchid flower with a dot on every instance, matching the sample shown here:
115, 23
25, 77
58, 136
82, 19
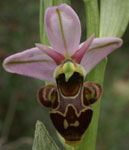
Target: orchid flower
64, 32
66, 62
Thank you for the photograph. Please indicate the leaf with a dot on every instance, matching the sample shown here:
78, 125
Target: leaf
114, 17
92, 17
42, 139
57, 2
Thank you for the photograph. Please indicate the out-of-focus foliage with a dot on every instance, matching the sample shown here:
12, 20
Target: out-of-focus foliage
115, 16
113, 133
19, 109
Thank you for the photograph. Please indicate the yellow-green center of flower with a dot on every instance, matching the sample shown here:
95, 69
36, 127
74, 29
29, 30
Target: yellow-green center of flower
68, 68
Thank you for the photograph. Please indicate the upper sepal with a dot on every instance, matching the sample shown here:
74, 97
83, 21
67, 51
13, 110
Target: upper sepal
63, 28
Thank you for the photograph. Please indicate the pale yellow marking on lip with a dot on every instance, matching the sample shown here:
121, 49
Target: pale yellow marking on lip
73, 143
54, 111
75, 124
65, 124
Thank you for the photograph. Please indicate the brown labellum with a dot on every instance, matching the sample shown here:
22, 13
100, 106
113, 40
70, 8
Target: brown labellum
70, 104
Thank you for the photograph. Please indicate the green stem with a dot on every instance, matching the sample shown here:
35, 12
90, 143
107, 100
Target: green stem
92, 17
96, 75
73, 148
44, 4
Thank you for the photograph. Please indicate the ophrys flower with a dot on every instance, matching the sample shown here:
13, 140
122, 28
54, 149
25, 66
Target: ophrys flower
66, 62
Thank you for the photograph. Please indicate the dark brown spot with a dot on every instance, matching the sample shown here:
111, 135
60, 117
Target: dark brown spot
72, 133
71, 87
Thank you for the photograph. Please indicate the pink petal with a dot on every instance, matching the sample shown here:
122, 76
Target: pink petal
78, 55
99, 49
57, 57
63, 28
33, 63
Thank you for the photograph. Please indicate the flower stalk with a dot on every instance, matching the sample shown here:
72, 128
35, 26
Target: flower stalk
96, 75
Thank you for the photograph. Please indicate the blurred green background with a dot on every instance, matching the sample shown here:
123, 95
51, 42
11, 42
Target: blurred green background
19, 109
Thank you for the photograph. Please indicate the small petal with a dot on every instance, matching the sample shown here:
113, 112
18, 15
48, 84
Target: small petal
33, 63
78, 55
99, 49
57, 57
63, 28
